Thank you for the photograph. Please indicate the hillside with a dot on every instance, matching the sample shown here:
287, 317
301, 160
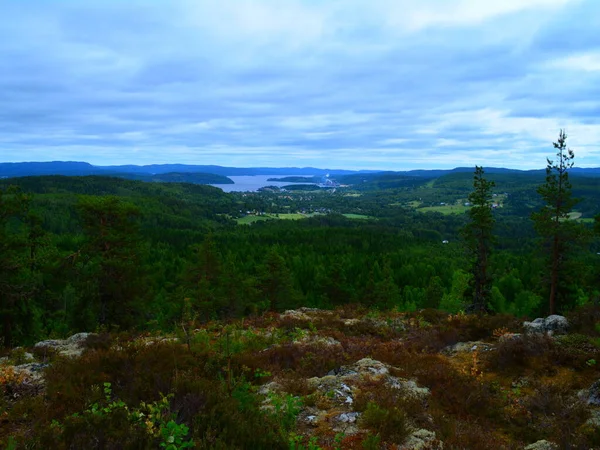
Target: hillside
313, 379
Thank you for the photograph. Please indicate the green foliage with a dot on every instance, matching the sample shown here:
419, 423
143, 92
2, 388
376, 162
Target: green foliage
390, 424
479, 239
552, 222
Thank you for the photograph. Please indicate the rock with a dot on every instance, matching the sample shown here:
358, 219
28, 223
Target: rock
463, 347
270, 387
410, 388
594, 420
542, 445
342, 371
79, 338
551, 325
592, 395
349, 417
314, 339
368, 366
422, 440
71, 347
510, 337
295, 315
557, 324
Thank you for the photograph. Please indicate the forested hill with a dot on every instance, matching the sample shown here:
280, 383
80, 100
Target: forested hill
83, 168
387, 258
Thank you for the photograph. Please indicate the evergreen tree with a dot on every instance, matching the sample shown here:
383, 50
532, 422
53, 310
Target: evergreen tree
18, 280
111, 255
276, 284
479, 239
551, 222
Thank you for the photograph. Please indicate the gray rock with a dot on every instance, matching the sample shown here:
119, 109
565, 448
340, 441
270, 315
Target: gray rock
542, 445
71, 347
422, 439
557, 324
349, 417
551, 325
463, 347
594, 420
592, 395
79, 338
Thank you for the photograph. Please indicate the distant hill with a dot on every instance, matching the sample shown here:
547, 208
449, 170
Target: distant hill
177, 177
21, 169
176, 172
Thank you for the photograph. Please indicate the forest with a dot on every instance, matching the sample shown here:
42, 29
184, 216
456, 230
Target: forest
113, 255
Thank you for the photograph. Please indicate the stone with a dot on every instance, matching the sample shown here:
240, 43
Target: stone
553, 324
592, 395
542, 445
349, 417
557, 324
464, 347
422, 439
72, 347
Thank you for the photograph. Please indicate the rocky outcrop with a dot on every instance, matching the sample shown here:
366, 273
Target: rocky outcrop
72, 347
550, 325
592, 395
337, 391
467, 347
542, 445
422, 439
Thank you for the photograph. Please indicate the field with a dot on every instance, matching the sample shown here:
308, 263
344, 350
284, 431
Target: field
457, 208
357, 216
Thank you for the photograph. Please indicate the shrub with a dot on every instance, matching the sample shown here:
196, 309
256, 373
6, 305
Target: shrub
517, 351
391, 424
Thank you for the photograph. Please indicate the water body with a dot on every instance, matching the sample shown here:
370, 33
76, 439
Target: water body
253, 183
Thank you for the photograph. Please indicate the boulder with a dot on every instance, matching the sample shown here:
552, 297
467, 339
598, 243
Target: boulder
592, 395
465, 347
542, 445
422, 440
72, 347
550, 325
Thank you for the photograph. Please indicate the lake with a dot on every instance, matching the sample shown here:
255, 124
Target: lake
253, 183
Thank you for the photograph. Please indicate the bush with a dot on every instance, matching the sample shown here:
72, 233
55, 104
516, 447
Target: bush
391, 424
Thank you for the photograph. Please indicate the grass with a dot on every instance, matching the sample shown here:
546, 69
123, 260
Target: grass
247, 220
357, 216
446, 209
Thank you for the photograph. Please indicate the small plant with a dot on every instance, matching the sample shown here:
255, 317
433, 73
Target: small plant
390, 424
499, 332
590, 362
371, 442
286, 409
173, 436
296, 443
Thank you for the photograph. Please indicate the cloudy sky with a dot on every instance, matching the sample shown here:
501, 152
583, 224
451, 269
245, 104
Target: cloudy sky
377, 84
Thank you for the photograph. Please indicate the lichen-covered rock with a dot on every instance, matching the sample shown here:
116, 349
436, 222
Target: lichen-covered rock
553, 324
542, 445
409, 387
592, 395
368, 366
465, 347
422, 440
72, 347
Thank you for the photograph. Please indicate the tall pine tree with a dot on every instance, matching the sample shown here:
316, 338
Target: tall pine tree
479, 239
551, 221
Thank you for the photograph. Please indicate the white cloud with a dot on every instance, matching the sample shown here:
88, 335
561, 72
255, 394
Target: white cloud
586, 62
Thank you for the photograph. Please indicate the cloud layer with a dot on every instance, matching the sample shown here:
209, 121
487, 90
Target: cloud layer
383, 84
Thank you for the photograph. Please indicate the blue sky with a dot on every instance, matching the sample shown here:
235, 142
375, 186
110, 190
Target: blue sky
377, 84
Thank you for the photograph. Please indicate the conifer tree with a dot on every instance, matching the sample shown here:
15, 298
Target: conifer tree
479, 239
551, 221
18, 284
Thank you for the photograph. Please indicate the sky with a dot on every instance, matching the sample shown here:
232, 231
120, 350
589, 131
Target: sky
354, 84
